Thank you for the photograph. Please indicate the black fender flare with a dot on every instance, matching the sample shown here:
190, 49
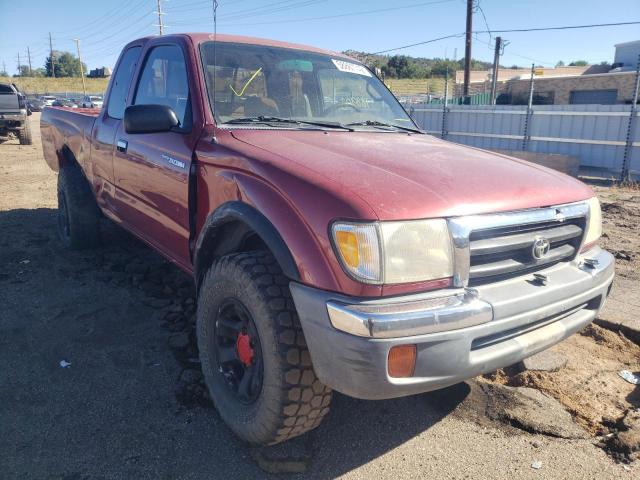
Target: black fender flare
236, 211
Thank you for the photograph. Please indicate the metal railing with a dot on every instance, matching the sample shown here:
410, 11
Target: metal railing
605, 138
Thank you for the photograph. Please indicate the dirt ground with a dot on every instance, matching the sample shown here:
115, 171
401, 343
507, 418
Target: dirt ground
131, 403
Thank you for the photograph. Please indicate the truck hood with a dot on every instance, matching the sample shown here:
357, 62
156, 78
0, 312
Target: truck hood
403, 176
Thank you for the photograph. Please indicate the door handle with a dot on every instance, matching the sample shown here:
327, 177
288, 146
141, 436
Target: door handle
122, 145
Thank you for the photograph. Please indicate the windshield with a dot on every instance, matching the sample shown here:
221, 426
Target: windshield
270, 83
95, 98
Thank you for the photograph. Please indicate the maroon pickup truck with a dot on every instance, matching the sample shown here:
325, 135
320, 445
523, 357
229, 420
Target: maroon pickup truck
334, 245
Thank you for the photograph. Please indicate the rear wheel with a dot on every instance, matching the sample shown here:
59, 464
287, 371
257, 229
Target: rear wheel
78, 214
254, 356
24, 135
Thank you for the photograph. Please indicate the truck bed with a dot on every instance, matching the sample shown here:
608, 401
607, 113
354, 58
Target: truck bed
72, 127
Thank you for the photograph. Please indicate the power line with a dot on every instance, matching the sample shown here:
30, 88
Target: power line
568, 27
341, 15
107, 18
264, 10
454, 35
505, 43
118, 32
202, 4
478, 8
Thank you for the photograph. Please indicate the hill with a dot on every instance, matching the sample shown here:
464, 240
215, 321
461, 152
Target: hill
44, 85
404, 66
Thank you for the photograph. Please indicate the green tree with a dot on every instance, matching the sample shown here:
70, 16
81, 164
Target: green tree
401, 66
440, 67
4, 73
397, 67
579, 63
66, 65
560, 63
24, 71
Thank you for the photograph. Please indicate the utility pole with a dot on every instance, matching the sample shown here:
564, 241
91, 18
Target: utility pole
467, 51
29, 55
159, 12
53, 59
84, 87
4, 66
19, 71
496, 65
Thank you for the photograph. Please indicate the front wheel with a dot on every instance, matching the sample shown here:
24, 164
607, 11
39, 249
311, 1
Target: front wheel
254, 356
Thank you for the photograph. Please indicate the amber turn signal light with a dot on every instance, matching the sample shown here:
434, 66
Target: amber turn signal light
402, 361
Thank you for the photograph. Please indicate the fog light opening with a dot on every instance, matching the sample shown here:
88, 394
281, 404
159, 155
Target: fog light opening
402, 361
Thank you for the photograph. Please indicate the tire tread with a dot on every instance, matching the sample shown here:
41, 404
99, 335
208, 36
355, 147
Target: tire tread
304, 399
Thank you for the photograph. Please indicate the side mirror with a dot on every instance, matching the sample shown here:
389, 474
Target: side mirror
149, 119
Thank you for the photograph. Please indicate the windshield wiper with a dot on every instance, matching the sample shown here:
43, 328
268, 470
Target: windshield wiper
272, 119
376, 123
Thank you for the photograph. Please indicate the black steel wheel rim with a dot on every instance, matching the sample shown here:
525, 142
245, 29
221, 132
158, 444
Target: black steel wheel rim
235, 335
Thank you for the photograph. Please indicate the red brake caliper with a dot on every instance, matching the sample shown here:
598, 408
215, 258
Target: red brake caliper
243, 347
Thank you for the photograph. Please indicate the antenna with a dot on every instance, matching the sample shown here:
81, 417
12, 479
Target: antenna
215, 42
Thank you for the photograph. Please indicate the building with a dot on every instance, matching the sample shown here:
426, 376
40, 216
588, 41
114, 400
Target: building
627, 55
104, 72
601, 88
591, 84
483, 77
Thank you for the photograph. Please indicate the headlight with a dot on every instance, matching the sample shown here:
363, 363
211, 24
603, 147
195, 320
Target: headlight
395, 252
594, 225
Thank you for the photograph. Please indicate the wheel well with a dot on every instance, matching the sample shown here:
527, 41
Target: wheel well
240, 228
66, 157
230, 237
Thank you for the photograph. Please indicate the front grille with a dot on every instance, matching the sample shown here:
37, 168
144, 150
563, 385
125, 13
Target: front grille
499, 253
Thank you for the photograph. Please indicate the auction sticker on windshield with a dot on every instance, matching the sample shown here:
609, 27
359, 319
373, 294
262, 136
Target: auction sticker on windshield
351, 67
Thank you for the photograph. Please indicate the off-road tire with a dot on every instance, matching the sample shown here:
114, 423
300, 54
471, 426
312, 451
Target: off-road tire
292, 400
24, 135
78, 213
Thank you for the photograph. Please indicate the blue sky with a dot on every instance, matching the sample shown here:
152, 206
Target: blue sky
104, 26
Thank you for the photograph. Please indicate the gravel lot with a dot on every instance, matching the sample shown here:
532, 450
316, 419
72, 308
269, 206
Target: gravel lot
131, 403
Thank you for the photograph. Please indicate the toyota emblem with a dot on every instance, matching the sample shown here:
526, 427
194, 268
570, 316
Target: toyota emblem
540, 248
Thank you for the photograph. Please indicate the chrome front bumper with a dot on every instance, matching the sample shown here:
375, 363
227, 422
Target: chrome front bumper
443, 311
458, 333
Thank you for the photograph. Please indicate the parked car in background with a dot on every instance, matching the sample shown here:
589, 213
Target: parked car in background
35, 104
14, 115
91, 101
333, 244
64, 102
48, 100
